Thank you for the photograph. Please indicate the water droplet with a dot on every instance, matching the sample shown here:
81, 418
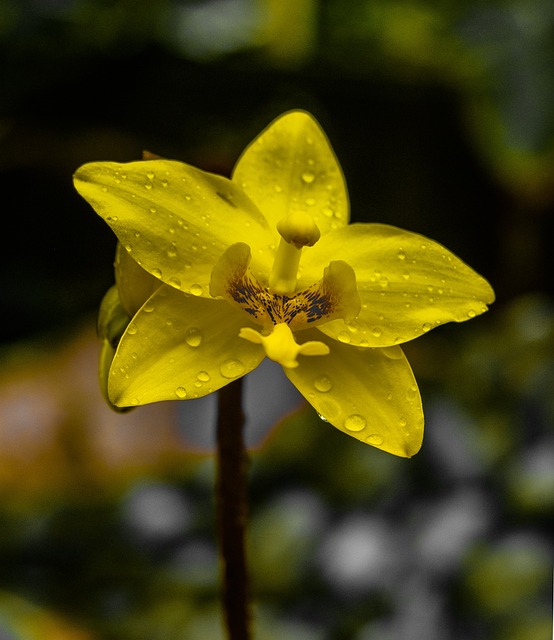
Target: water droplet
193, 337
310, 202
327, 211
181, 392
323, 383
132, 328
148, 186
426, 327
172, 252
406, 275
344, 336
196, 290
375, 439
232, 368
203, 376
322, 417
157, 272
384, 282
376, 332
150, 175
308, 177
402, 422
471, 313
401, 255
175, 282
105, 189
278, 188
355, 422
148, 307
128, 247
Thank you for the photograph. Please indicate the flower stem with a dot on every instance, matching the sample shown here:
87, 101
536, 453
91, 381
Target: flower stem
232, 510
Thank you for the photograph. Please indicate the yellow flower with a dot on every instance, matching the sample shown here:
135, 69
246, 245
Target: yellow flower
266, 264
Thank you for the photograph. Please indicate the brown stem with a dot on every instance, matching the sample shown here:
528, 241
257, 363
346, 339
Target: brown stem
232, 509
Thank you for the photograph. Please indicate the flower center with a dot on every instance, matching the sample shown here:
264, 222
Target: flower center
279, 308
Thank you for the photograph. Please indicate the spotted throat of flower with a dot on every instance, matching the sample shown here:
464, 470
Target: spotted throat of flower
279, 308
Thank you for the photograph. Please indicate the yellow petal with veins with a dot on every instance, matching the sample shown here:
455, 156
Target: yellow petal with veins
407, 284
174, 219
370, 394
180, 347
291, 167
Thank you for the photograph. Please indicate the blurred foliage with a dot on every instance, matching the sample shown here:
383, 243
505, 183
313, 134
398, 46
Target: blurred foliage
442, 116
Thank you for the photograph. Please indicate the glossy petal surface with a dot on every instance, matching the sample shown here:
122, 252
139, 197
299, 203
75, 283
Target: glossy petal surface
175, 220
290, 167
407, 284
179, 347
370, 394
134, 284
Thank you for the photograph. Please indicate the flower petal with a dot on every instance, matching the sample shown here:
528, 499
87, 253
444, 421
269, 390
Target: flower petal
290, 167
407, 284
370, 394
174, 219
134, 284
180, 346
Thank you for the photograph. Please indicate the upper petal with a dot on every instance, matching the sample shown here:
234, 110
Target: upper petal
291, 166
175, 220
407, 284
180, 347
370, 394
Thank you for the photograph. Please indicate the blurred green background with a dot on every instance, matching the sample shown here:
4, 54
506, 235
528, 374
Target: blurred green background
442, 116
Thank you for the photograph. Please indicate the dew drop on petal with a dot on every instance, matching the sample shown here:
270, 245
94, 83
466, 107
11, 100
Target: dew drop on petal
402, 422
321, 417
232, 368
132, 328
355, 422
157, 273
148, 307
181, 392
426, 327
193, 337
471, 313
375, 439
401, 255
203, 376
308, 177
175, 282
196, 290
323, 383
344, 336
376, 332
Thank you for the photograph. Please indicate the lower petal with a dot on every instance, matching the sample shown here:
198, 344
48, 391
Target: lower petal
180, 347
370, 394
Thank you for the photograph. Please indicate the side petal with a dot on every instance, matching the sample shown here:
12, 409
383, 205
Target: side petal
290, 167
180, 347
370, 394
174, 219
134, 284
407, 284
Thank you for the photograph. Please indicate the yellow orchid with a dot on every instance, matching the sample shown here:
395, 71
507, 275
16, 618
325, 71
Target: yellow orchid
266, 264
